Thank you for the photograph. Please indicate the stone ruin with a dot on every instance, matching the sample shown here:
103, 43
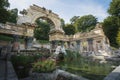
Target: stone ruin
89, 43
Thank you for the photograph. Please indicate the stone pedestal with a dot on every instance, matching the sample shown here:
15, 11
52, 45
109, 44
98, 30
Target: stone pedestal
90, 44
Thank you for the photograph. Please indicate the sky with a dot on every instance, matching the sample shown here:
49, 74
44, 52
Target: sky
66, 9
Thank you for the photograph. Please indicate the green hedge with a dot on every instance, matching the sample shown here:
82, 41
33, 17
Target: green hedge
23, 63
6, 38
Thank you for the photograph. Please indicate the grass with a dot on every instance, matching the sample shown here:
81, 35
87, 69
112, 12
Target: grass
10, 38
22, 63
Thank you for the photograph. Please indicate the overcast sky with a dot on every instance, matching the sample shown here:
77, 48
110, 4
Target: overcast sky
66, 9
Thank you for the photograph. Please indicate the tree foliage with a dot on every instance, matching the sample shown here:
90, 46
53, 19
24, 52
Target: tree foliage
74, 19
85, 23
4, 4
23, 12
110, 29
4, 14
62, 23
42, 31
114, 8
13, 15
69, 29
118, 38
111, 24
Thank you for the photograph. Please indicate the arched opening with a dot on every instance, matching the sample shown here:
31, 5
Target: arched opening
44, 25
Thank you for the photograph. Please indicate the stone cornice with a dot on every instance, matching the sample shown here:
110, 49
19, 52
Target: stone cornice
29, 24
56, 31
44, 10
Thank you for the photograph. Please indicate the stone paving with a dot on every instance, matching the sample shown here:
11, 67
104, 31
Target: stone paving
2, 70
7, 73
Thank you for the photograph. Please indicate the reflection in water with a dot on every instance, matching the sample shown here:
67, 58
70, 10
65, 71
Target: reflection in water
85, 67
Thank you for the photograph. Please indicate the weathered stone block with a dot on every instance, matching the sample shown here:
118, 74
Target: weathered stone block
56, 75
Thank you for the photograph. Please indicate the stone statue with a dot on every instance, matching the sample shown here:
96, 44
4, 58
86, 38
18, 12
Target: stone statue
59, 53
60, 49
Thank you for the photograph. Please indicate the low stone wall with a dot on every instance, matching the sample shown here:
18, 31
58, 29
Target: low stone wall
56, 75
114, 75
32, 52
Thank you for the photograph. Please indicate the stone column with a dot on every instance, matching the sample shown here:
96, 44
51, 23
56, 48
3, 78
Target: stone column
28, 42
52, 44
68, 43
78, 45
87, 45
90, 44
103, 44
94, 45
16, 43
56, 43
72, 46
62, 43
84, 45
81, 46
65, 45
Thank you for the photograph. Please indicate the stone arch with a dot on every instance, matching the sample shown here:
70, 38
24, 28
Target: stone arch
35, 12
52, 25
55, 21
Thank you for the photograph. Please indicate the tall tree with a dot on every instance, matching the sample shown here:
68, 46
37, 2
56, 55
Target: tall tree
4, 14
111, 24
62, 23
69, 29
13, 15
85, 23
110, 29
114, 8
4, 4
74, 19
